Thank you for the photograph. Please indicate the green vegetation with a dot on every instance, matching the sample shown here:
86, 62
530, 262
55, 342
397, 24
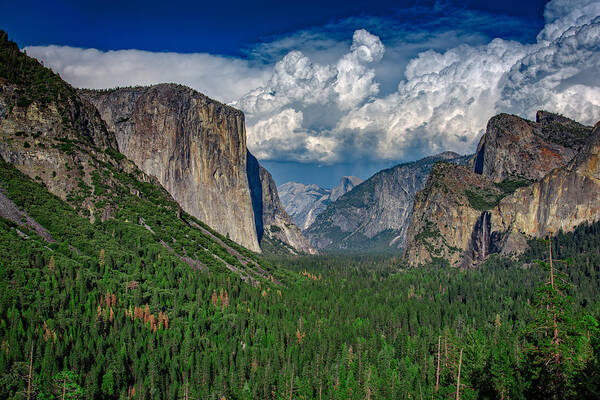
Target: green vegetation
36, 83
485, 199
107, 310
127, 297
511, 184
564, 132
481, 199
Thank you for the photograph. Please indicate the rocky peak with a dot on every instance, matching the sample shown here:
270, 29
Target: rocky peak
463, 217
347, 183
515, 147
194, 146
376, 213
305, 202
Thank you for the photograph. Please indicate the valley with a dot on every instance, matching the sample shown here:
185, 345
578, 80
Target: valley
146, 252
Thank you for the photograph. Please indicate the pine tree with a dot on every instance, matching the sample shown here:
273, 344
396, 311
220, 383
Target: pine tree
554, 340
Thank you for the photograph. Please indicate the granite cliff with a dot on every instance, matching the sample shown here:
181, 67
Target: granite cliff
196, 148
515, 147
375, 214
55, 137
528, 180
305, 202
275, 228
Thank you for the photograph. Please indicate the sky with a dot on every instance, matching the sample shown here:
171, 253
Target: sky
334, 88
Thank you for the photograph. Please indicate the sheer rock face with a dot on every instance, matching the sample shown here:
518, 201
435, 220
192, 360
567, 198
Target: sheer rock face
194, 146
272, 222
465, 219
443, 221
375, 214
305, 202
563, 199
515, 147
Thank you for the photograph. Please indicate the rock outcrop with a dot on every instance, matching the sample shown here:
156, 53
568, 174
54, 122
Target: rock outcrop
446, 212
515, 147
375, 214
194, 146
562, 200
48, 132
305, 202
530, 180
273, 224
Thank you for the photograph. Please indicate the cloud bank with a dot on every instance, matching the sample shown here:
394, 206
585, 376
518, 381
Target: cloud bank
443, 102
220, 77
394, 96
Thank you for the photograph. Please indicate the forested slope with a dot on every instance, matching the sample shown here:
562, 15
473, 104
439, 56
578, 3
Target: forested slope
111, 310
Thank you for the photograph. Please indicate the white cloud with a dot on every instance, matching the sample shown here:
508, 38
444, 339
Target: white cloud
562, 76
561, 15
295, 79
355, 81
442, 105
447, 97
328, 100
219, 77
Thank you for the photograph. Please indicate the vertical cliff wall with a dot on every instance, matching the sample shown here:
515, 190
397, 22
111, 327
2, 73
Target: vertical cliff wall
193, 145
563, 199
272, 222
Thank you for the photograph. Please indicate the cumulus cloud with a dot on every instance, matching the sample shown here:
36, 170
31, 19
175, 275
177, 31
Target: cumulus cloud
222, 78
561, 15
443, 104
297, 86
337, 94
445, 99
562, 75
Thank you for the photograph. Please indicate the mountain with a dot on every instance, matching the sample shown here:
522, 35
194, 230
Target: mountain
69, 193
304, 202
375, 214
196, 148
193, 145
71, 196
515, 147
528, 180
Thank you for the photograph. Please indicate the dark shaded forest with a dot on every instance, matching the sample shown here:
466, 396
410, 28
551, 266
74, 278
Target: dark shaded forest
107, 312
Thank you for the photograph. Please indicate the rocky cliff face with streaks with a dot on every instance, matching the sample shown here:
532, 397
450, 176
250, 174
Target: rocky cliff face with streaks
194, 146
562, 200
375, 214
528, 180
515, 147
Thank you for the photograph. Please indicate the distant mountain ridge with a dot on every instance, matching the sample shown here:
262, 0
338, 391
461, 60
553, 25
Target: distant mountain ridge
375, 214
305, 202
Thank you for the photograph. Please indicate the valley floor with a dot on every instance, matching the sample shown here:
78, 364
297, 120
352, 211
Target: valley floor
106, 311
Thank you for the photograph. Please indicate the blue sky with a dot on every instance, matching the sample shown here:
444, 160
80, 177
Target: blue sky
335, 88
218, 27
